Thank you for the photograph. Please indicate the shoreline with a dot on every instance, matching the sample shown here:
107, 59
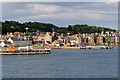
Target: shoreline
25, 53
48, 52
85, 47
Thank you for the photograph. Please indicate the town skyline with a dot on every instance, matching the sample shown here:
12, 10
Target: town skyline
40, 39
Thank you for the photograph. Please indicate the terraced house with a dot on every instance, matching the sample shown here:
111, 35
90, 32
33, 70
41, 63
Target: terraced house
57, 39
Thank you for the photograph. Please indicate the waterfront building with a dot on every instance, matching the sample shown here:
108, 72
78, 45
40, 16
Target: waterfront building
2, 43
79, 40
72, 40
55, 43
18, 42
99, 40
34, 37
45, 36
56, 39
112, 38
9, 34
90, 39
10, 40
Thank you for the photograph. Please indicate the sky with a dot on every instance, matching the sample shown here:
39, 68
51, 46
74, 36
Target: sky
60, 0
63, 14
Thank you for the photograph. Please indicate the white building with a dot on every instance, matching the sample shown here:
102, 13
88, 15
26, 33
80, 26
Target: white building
2, 44
10, 40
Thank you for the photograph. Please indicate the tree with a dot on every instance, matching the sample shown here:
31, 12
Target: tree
48, 27
69, 28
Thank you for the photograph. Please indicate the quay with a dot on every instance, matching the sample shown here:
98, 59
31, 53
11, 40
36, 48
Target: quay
85, 47
24, 51
65, 48
96, 47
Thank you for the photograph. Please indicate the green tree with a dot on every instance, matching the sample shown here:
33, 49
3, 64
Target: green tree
48, 27
69, 28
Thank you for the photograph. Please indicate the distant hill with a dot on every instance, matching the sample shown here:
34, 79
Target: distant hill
13, 26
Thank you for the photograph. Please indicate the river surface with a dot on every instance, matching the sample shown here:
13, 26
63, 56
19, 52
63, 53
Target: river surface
63, 63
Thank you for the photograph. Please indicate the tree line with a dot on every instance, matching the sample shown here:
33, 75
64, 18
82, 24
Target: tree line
13, 26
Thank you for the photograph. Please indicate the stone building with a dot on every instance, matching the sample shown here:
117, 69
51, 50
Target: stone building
45, 37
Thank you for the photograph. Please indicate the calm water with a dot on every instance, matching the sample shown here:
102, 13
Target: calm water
63, 63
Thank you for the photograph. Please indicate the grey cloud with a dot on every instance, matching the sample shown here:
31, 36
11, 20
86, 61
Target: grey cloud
62, 14
60, 0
